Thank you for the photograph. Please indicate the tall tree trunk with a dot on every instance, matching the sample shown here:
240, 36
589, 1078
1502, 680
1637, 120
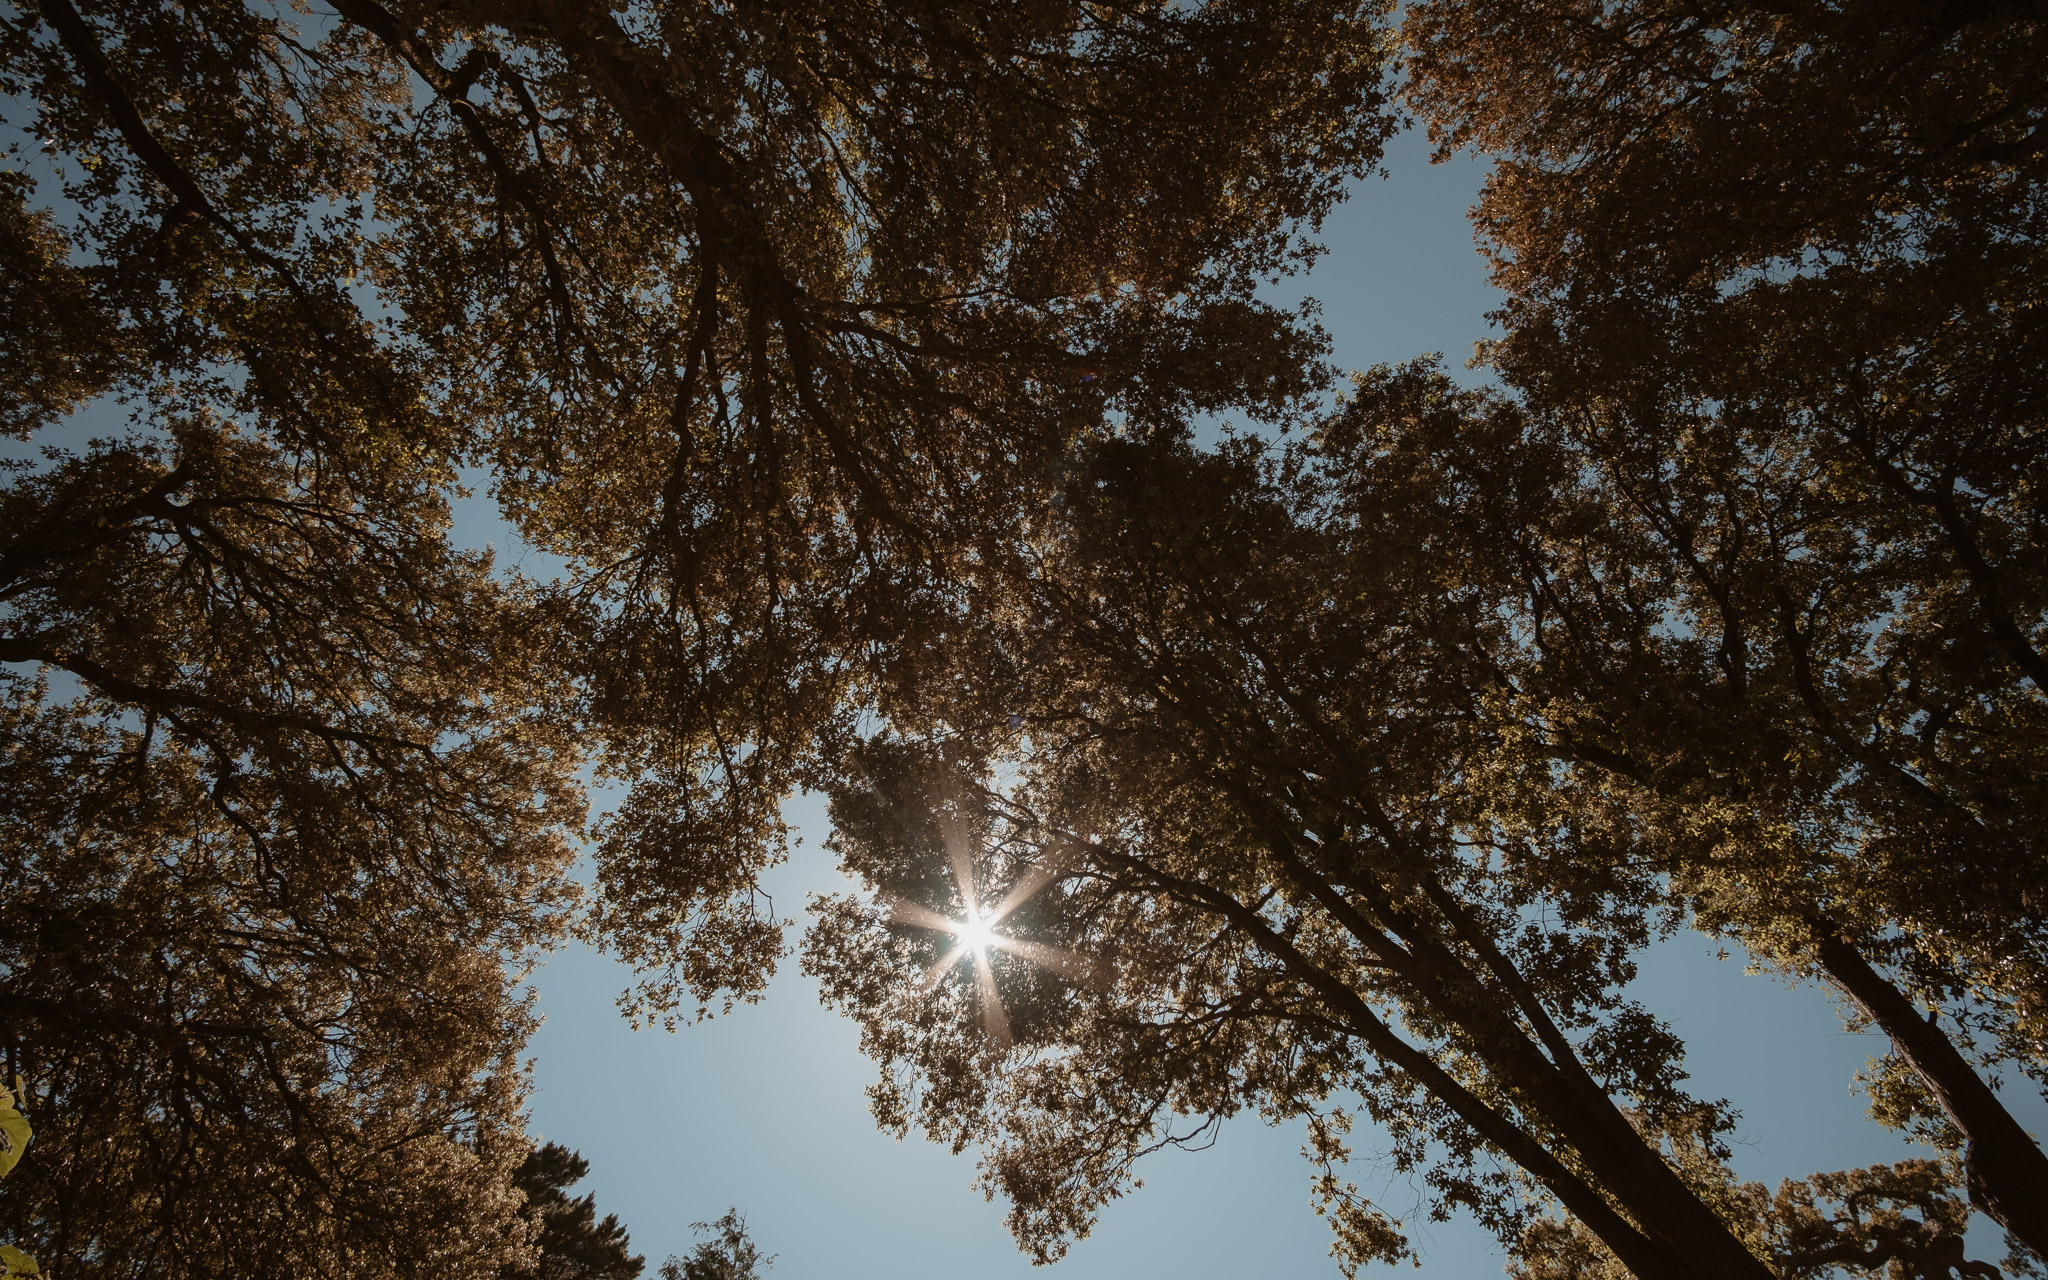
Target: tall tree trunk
1623, 1163
1662, 1243
2008, 1172
1549, 1078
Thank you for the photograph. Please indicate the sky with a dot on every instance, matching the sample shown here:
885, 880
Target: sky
763, 1109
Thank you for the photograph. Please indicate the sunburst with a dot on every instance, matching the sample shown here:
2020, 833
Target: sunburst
976, 934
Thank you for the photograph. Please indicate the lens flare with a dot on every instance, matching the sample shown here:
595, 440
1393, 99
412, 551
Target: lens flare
975, 933
975, 936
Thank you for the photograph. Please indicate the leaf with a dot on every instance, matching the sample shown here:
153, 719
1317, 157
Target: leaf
14, 1136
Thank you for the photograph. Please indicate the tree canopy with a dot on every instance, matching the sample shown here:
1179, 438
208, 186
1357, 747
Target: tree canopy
1775, 275
844, 361
1260, 798
754, 317
281, 822
1728, 614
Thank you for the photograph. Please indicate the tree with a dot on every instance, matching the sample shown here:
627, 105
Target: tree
280, 835
573, 1243
1623, 704
282, 827
820, 359
1807, 374
757, 316
1264, 825
1244, 717
755, 311
727, 1254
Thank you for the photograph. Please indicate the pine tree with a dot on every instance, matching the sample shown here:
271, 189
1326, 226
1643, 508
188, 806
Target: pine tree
574, 1244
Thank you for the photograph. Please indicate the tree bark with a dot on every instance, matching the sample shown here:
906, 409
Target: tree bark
1646, 1257
2008, 1172
1685, 1236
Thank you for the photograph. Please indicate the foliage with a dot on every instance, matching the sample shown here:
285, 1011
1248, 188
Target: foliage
274, 847
844, 356
727, 1254
1775, 275
573, 1244
1825, 411
283, 822
754, 311
1281, 749
1255, 775
756, 316
15, 1131
15, 1134
1899, 1221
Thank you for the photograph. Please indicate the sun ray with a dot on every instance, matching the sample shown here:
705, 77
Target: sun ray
910, 913
995, 1023
955, 833
1067, 964
1024, 890
975, 937
944, 965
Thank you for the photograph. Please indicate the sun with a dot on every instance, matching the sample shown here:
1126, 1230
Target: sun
975, 937
976, 932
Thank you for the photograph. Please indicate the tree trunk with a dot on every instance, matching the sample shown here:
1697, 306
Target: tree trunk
1674, 1236
1692, 1238
1621, 1160
2008, 1173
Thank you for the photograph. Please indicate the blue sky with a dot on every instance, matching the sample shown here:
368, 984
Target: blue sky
763, 1108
